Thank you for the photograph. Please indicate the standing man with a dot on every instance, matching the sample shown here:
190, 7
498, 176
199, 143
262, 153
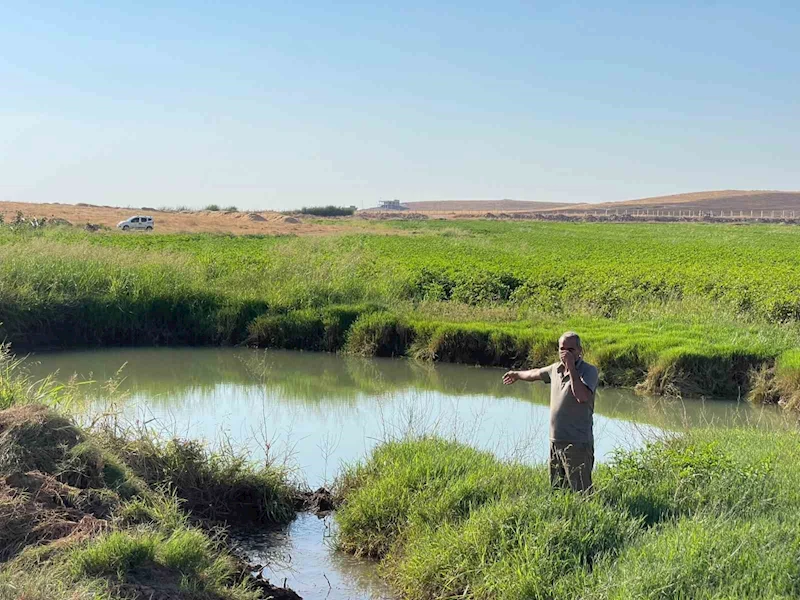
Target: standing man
573, 382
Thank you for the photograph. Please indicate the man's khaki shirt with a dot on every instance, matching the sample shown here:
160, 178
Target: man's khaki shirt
570, 420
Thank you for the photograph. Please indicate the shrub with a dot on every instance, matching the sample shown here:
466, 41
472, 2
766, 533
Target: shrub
328, 211
379, 334
295, 330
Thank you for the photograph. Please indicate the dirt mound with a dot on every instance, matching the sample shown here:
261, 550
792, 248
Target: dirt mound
271, 591
152, 581
290, 220
319, 502
34, 438
37, 503
36, 508
256, 217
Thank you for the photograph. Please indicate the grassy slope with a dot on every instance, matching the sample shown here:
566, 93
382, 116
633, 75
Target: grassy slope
86, 514
713, 514
675, 307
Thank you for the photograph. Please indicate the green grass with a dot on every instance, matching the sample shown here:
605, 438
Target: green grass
674, 308
687, 516
116, 554
182, 563
706, 557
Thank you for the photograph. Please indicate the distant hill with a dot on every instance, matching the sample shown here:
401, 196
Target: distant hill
743, 200
715, 200
482, 205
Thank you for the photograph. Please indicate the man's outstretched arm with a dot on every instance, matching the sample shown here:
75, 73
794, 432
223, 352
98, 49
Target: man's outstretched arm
531, 375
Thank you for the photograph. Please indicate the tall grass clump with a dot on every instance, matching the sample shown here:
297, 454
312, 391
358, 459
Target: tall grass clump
186, 562
116, 553
480, 344
787, 378
448, 521
310, 329
516, 549
220, 485
700, 470
379, 334
428, 480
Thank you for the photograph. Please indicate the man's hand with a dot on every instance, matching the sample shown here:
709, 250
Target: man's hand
510, 377
568, 359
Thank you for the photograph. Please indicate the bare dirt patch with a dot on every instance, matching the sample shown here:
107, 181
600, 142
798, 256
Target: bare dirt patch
36, 509
202, 221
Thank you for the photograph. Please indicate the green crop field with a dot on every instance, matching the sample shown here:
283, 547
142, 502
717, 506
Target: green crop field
676, 308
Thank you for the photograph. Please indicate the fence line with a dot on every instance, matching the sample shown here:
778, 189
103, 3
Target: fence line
609, 212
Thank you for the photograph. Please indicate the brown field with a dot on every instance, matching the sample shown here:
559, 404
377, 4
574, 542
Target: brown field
722, 200
482, 205
265, 222
270, 222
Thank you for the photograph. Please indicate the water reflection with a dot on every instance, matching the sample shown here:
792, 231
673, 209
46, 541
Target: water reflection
302, 556
315, 411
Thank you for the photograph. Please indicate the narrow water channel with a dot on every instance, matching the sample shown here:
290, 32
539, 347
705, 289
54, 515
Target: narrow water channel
316, 412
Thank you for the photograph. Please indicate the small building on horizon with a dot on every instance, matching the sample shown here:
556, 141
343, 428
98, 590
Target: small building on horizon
392, 205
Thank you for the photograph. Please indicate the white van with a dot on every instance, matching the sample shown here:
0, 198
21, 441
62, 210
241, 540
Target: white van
138, 222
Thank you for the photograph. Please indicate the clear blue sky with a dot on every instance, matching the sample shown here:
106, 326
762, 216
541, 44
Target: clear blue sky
281, 105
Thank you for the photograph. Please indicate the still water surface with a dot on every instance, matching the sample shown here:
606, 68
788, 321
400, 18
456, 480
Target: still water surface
315, 412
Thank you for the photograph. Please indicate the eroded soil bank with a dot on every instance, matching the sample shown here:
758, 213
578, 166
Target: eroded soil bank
88, 514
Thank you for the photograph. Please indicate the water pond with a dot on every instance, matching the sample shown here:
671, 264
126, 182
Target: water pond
315, 412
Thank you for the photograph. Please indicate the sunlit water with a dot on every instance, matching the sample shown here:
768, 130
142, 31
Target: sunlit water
316, 412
